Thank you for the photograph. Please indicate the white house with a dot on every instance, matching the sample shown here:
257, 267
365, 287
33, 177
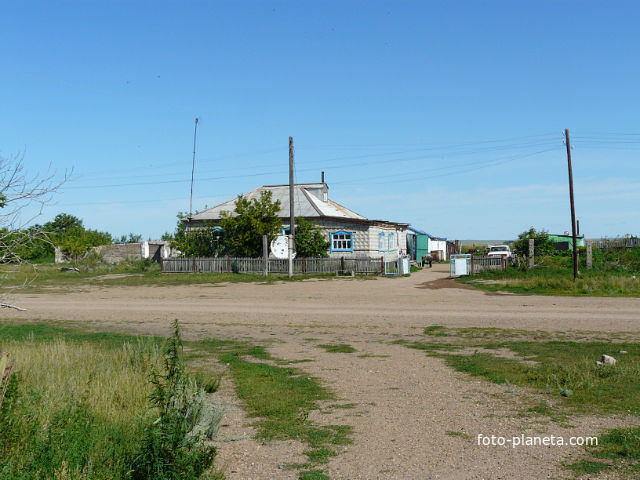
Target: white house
349, 234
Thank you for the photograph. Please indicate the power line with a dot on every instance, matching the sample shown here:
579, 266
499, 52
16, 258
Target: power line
328, 163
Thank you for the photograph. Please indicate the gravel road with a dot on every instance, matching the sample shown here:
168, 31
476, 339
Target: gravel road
414, 417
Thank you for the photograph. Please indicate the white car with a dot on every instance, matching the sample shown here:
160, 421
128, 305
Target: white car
499, 251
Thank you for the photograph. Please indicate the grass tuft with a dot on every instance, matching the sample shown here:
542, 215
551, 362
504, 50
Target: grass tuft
337, 348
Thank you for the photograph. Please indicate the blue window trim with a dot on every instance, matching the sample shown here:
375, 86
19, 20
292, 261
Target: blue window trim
392, 242
381, 242
341, 232
285, 231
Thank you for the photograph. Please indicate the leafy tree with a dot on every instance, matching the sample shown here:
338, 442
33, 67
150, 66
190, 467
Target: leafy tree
204, 241
253, 218
543, 245
62, 223
78, 241
310, 241
131, 238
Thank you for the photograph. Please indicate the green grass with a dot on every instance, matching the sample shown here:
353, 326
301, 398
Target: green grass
49, 278
435, 330
619, 448
587, 467
78, 404
463, 435
337, 348
557, 281
560, 366
561, 370
280, 397
313, 475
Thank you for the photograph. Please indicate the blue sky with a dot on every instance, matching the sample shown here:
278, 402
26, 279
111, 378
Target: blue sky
446, 115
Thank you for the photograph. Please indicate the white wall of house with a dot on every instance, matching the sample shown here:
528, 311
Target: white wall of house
438, 245
366, 239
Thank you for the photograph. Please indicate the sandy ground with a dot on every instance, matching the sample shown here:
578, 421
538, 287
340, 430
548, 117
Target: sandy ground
414, 417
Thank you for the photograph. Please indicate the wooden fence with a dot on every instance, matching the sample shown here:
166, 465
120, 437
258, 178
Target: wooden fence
616, 243
478, 264
256, 265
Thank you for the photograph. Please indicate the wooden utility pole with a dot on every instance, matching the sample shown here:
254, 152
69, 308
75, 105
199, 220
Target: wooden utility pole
292, 227
573, 209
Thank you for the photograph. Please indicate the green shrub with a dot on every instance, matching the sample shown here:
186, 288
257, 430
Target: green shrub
174, 445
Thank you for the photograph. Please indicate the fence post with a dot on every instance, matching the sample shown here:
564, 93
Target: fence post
265, 255
228, 264
503, 264
382, 265
304, 265
589, 246
472, 265
531, 252
194, 269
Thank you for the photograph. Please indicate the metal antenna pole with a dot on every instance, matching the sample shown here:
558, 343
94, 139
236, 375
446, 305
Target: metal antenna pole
193, 167
292, 228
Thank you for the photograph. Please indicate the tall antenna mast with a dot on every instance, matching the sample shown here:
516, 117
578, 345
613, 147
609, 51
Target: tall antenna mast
193, 167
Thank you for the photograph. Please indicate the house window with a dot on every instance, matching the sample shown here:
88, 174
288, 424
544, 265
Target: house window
342, 242
392, 242
381, 242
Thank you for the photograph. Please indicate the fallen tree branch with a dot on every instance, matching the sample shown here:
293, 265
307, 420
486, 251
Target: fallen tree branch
6, 305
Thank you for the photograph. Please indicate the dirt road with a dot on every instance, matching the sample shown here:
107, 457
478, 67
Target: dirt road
415, 417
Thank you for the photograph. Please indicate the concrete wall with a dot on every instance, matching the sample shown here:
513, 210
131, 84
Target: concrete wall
118, 252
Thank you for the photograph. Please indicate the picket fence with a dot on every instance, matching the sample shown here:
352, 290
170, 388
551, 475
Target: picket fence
257, 265
479, 264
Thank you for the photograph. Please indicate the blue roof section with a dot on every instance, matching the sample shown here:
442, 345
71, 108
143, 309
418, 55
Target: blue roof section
420, 232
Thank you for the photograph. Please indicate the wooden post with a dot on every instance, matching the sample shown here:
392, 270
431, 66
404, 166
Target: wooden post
342, 264
194, 269
228, 264
589, 246
573, 209
265, 254
382, 265
304, 265
472, 271
532, 249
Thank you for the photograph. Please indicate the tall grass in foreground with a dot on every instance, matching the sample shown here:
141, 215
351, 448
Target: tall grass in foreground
82, 411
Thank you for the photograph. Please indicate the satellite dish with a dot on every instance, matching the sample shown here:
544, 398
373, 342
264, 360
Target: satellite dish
280, 247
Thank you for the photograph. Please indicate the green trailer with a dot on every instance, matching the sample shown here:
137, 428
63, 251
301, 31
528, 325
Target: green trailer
565, 241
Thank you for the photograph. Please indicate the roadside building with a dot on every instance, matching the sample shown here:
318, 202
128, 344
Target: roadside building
350, 235
565, 241
421, 243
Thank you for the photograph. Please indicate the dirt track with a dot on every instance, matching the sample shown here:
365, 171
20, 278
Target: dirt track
408, 404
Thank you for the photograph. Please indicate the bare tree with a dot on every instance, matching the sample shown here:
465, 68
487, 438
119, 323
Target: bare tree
22, 199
